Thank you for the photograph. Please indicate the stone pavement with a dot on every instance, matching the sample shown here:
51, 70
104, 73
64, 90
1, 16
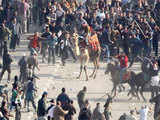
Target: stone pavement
54, 77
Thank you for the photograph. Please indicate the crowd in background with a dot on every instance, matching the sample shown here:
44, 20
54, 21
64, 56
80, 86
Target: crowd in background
118, 24
128, 25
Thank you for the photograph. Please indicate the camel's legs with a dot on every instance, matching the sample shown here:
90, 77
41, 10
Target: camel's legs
97, 67
94, 69
112, 90
81, 67
85, 69
115, 91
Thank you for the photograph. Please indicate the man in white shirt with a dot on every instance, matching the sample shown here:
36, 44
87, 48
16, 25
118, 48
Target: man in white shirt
143, 112
51, 110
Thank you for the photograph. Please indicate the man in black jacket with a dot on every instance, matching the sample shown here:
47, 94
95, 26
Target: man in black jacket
44, 43
23, 69
64, 99
30, 89
66, 45
7, 60
42, 109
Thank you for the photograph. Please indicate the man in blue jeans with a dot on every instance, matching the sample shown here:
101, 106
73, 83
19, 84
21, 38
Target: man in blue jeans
106, 41
52, 41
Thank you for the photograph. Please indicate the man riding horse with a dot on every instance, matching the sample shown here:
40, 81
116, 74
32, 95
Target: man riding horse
124, 74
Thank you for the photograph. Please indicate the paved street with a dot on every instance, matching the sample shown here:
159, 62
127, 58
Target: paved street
53, 78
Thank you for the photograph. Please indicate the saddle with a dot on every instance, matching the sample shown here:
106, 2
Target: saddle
127, 76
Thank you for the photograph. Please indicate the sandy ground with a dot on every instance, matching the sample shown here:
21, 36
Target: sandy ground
54, 77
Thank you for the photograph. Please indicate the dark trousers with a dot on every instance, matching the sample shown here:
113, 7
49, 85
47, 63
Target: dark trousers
51, 55
155, 48
49, 118
33, 104
1, 47
14, 40
71, 52
23, 76
57, 50
8, 69
154, 91
43, 51
64, 54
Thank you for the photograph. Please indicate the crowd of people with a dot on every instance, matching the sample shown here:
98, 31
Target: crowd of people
131, 26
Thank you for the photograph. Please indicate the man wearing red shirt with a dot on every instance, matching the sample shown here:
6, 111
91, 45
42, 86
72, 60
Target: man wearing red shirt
123, 65
34, 42
123, 60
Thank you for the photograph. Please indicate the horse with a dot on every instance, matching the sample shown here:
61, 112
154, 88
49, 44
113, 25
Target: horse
115, 72
140, 84
86, 53
143, 78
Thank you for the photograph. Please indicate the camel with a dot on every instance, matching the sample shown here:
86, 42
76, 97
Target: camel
86, 53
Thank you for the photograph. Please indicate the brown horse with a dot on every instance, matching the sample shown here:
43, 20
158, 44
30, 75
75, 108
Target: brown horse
86, 53
115, 78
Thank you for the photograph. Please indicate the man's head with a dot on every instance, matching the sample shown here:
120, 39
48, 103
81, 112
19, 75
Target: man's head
63, 90
81, 15
31, 79
36, 33
44, 95
86, 103
84, 88
14, 20
16, 78
47, 28
143, 106
67, 35
132, 112
98, 104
